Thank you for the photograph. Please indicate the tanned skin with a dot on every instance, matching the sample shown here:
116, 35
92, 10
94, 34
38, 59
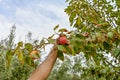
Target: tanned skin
43, 70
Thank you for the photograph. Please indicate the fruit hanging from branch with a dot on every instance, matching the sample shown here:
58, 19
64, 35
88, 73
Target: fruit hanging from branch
110, 35
62, 40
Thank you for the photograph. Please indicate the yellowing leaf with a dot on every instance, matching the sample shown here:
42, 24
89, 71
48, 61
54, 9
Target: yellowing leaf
20, 57
63, 30
9, 55
35, 54
78, 22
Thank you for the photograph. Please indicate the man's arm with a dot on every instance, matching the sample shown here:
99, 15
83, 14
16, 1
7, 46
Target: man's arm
44, 69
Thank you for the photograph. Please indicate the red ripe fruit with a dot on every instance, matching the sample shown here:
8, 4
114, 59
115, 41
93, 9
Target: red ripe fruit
62, 40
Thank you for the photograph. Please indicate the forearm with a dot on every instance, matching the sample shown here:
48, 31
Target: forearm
44, 69
48, 64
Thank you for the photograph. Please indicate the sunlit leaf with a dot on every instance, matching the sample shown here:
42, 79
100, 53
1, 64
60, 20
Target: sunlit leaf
78, 22
20, 44
61, 48
63, 30
9, 55
20, 57
71, 18
29, 47
35, 54
65, 49
51, 41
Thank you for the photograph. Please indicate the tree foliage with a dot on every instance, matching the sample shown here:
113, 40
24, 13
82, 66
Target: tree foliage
96, 30
78, 68
16, 63
95, 34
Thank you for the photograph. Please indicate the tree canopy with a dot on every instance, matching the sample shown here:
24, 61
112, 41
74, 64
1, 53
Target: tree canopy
95, 34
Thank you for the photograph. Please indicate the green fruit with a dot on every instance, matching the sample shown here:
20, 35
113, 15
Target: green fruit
98, 34
110, 35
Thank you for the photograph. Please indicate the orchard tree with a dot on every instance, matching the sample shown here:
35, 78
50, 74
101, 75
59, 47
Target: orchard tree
17, 61
78, 68
96, 34
96, 30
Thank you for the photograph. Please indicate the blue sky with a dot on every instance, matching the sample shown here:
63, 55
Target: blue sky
36, 16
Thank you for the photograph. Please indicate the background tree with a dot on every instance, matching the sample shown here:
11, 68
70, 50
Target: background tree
13, 66
95, 34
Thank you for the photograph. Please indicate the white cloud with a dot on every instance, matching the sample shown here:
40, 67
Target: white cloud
4, 26
32, 18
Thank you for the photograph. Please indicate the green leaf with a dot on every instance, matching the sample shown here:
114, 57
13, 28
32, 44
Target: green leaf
67, 0
96, 58
20, 57
87, 48
29, 61
20, 44
61, 48
77, 50
56, 27
79, 43
42, 42
51, 41
68, 48
29, 47
63, 30
9, 55
78, 22
51, 36
73, 51
64, 49
71, 18
106, 45
116, 52
60, 55
68, 10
